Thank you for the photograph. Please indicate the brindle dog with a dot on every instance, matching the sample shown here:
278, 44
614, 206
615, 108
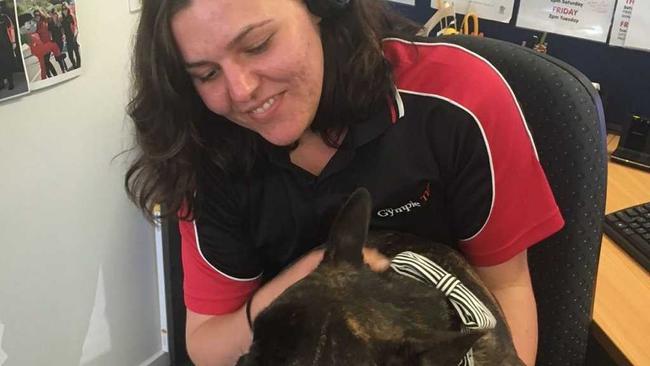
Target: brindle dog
345, 314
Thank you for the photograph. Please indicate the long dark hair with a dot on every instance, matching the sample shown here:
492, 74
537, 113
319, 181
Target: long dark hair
178, 140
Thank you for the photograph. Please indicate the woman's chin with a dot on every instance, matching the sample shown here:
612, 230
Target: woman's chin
281, 139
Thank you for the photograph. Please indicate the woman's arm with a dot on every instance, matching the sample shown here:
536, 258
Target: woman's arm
220, 340
510, 283
44, 14
216, 339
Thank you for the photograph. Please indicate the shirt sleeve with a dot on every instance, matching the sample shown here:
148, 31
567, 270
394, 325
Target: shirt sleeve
499, 198
220, 270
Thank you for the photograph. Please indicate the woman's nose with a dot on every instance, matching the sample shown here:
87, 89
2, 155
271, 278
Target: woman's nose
242, 83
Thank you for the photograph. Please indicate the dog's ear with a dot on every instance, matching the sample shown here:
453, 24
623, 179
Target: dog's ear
350, 230
446, 347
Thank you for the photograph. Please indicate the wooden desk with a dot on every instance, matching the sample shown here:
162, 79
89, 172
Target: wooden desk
622, 300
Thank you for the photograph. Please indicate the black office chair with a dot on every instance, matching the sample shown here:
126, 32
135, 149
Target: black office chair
565, 116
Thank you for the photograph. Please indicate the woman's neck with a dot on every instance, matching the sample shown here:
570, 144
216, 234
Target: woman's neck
312, 153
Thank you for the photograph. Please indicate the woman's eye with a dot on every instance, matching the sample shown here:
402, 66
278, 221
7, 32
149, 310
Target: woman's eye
260, 47
208, 76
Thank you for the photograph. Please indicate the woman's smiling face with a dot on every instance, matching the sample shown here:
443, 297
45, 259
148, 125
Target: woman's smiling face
258, 63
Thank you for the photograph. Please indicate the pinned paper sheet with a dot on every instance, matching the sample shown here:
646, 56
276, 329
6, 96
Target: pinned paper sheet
3, 355
587, 19
622, 16
637, 33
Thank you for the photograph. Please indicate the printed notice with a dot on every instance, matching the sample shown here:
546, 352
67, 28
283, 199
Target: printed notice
587, 19
637, 34
622, 17
497, 10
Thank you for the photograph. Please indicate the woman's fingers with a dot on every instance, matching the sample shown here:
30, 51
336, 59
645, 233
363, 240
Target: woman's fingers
375, 260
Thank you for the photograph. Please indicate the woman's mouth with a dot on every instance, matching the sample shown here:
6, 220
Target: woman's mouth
266, 109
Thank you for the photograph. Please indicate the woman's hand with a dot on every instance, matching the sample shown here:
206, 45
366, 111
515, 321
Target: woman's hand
292, 274
375, 260
230, 331
220, 339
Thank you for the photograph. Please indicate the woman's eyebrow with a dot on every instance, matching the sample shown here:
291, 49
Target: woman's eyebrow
244, 32
238, 38
191, 65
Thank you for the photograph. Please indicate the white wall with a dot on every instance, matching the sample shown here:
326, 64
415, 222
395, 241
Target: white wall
77, 262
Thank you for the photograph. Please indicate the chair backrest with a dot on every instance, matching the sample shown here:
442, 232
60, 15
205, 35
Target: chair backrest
564, 114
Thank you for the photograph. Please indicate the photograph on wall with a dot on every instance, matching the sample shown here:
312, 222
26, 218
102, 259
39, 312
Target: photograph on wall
49, 41
586, 19
13, 80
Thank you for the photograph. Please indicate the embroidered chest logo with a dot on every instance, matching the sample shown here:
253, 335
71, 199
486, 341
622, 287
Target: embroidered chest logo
408, 207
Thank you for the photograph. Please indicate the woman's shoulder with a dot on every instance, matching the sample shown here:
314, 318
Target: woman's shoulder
418, 63
454, 76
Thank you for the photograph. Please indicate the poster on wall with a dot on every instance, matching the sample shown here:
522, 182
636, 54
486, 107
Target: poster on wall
637, 33
13, 80
587, 19
621, 23
497, 10
49, 41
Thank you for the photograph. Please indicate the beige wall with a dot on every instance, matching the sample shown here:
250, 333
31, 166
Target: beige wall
77, 262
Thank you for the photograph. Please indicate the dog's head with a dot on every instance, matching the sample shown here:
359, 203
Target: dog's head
345, 314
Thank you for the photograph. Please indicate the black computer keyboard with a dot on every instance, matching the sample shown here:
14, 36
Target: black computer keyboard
630, 229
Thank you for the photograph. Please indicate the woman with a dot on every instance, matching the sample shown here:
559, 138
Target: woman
54, 26
69, 25
256, 119
42, 25
48, 42
43, 51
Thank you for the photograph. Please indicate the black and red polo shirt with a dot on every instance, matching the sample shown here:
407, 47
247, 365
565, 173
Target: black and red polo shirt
450, 159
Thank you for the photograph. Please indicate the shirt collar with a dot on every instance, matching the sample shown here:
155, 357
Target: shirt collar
384, 115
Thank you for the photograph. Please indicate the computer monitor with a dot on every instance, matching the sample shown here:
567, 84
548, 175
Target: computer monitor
634, 147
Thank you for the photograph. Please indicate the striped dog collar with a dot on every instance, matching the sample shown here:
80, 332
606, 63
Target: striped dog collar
472, 312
